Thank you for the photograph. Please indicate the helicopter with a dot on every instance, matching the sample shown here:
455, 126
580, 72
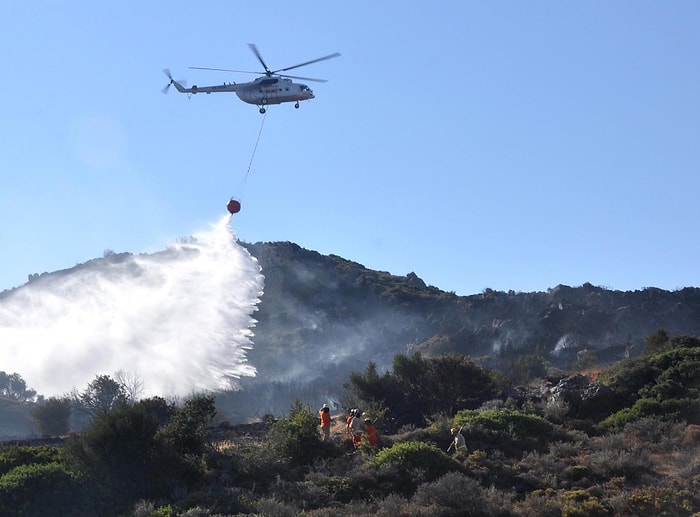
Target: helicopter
270, 88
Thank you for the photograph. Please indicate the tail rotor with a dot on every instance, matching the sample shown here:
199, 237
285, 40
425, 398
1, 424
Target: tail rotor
166, 71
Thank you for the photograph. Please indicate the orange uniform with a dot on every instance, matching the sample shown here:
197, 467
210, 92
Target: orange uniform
325, 422
371, 433
325, 418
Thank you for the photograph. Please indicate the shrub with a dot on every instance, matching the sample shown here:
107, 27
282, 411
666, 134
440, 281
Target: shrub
669, 409
391, 506
297, 436
11, 457
412, 461
539, 502
452, 494
588, 507
611, 462
516, 423
655, 500
186, 431
655, 433
542, 464
46, 489
53, 416
664, 384
270, 506
125, 459
419, 387
510, 430
255, 466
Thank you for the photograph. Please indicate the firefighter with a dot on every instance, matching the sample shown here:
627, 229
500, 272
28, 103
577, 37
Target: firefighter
371, 432
325, 413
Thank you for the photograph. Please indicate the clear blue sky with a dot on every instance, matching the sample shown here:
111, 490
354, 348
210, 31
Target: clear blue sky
508, 145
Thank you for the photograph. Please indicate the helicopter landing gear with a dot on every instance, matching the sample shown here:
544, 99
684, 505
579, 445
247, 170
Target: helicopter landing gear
262, 110
297, 105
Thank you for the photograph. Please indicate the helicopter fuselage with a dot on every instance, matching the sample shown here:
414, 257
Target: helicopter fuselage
273, 90
261, 91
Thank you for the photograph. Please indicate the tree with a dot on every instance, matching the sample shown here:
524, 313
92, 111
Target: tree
297, 436
53, 416
454, 382
525, 368
158, 408
102, 394
656, 342
131, 382
186, 432
13, 387
123, 455
418, 387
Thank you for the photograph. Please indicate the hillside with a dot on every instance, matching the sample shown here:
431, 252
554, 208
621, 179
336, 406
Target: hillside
331, 330
315, 303
322, 317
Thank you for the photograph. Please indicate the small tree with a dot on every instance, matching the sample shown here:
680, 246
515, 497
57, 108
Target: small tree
186, 432
122, 454
158, 408
419, 387
525, 368
297, 436
656, 342
53, 416
13, 387
102, 394
131, 382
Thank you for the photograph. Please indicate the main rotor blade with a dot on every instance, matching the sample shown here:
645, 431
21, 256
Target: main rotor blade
303, 78
329, 56
257, 54
222, 70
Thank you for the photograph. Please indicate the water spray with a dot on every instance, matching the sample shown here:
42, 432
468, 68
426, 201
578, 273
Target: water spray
180, 320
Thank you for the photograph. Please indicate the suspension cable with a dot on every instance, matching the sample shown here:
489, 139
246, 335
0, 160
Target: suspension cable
255, 148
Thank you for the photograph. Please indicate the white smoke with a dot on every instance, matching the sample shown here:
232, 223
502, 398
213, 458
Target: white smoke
566, 341
180, 320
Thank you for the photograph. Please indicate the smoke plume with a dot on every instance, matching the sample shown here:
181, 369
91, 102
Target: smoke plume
179, 320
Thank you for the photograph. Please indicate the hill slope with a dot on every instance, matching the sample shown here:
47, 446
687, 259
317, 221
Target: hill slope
332, 309
322, 316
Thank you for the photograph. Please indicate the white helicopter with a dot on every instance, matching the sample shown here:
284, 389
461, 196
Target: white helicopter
271, 88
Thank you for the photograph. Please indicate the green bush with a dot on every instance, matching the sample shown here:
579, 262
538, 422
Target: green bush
589, 507
409, 457
670, 410
654, 500
53, 416
297, 437
11, 457
186, 431
126, 460
419, 387
508, 424
665, 385
41, 489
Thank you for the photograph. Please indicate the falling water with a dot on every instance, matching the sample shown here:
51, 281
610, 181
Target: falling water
178, 320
